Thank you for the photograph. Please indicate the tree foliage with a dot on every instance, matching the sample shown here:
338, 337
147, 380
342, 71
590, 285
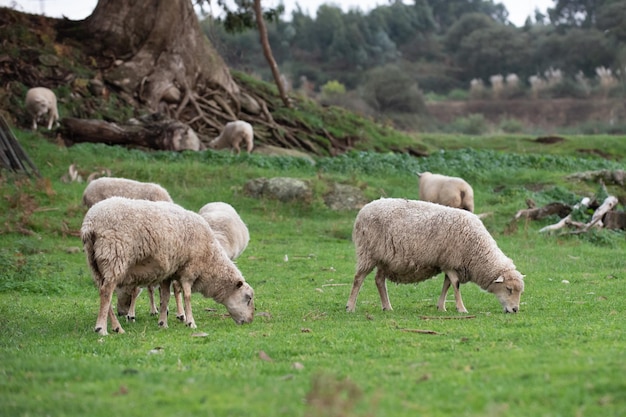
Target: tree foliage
447, 43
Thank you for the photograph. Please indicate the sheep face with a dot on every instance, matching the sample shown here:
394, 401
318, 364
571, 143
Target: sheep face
240, 303
508, 288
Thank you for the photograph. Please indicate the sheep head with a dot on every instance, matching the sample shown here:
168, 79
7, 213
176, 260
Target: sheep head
508, 288
240, 303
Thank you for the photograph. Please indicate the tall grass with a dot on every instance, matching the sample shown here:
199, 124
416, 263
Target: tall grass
562, 355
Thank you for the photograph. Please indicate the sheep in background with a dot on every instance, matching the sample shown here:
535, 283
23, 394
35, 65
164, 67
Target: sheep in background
230, 231
132, 243
449, 191
411, 241
233, 135
41, 102
107, 187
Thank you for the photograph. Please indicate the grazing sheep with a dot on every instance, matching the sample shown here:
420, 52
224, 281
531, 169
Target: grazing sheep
233, 135
411, 241
449, 191
132, 243
106, 187
41, 102
230, 231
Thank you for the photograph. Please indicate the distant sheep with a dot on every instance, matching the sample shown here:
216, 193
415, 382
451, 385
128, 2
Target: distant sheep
106, 187
411, 241
132, 243
41, 102
233, 135
449, 191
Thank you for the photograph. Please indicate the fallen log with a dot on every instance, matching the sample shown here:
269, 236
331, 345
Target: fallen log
154, 133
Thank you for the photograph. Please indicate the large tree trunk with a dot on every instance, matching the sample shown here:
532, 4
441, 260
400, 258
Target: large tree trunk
161, 53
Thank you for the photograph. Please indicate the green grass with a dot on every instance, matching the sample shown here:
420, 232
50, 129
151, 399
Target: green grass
562, 355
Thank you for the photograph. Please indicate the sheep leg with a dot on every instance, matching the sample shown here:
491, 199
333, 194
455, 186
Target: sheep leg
381, 284
164, 289
130, 316
454, 280
356, 287
180, 311
106, 295
441, 304
187, 299
153, 310
50, 120
115, 323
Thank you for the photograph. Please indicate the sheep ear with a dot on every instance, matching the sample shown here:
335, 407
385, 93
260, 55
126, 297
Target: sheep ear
499, 279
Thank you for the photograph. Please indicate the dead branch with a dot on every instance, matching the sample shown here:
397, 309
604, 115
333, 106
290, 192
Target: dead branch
446, 317
567, 219
560, 209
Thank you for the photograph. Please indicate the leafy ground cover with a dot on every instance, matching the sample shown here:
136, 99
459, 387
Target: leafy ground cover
562, 355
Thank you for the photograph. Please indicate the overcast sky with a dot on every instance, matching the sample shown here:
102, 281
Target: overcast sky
519, 10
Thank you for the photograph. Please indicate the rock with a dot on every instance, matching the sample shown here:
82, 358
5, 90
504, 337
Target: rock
281, 188
345, 197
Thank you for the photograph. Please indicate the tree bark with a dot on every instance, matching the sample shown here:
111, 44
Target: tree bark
159, 52
267, 51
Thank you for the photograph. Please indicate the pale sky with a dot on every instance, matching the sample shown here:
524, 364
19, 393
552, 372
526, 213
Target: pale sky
519, 10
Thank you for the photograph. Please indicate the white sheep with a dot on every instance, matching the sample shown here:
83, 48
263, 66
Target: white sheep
233, 135
230, 231
411, 241
41, 102
106, 187
132, 243
449, 191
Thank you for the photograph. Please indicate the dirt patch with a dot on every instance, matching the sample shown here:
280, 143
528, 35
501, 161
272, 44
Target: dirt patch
597, 152
549, 140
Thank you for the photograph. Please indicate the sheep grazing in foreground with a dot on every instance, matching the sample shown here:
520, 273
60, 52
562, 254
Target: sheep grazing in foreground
41, 102
449, 191
233, 135
229, 230
106, 187
132, 243
411, 241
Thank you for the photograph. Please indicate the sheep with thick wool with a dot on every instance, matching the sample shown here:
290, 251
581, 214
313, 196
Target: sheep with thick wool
411, 241
233, 134
40, 103
449, 191
229, 229
107, 187
132, 243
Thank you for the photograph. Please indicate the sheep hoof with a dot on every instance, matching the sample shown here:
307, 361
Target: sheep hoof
130, 318
192, 325
181, 317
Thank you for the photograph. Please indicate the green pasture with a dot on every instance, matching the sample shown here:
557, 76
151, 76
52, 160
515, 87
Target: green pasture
563, 354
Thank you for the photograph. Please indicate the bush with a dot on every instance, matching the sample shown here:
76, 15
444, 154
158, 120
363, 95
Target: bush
511, 126
474, 124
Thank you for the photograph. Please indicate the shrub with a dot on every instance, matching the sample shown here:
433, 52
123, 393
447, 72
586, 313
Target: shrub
511, 126
474, 124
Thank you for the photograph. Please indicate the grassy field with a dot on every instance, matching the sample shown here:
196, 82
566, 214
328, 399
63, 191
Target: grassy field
563, 354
